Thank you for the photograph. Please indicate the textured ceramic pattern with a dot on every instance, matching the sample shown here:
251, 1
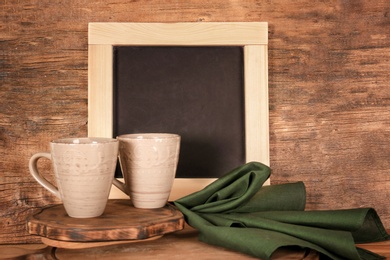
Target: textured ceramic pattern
148, 163
84, 174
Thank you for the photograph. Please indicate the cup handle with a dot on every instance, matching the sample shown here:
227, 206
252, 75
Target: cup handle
120, 185
39, 178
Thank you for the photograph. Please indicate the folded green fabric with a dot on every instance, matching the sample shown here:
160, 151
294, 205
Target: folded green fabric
238, 212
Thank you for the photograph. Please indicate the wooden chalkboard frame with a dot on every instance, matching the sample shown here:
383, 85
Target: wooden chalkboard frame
251, 36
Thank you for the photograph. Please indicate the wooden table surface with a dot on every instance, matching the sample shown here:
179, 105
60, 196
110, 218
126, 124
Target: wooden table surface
179, 245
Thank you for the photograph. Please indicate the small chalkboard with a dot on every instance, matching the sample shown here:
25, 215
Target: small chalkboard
207, 81
196, 92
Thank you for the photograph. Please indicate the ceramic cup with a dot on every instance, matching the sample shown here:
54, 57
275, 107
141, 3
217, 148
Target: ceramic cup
84, 169
148, 163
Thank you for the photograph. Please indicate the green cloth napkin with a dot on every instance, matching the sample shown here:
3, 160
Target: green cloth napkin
238, 212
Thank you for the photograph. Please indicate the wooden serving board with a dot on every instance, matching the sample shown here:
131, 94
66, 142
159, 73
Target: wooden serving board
120, 222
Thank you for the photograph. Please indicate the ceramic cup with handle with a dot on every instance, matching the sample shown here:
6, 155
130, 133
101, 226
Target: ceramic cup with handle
84, 169
148, 162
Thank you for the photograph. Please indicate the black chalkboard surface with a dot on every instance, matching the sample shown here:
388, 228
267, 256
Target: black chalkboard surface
196, 92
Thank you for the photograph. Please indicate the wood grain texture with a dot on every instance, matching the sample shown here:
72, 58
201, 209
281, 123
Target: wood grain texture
26, 251
329, 93
171, 34
184, 243
120, 221
176, 246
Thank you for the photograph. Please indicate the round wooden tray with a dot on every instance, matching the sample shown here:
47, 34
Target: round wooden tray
120, 223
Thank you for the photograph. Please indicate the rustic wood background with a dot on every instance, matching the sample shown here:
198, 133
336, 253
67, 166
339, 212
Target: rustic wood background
329, 64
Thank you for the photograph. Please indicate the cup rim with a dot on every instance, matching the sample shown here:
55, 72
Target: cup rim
84, 140
148, 136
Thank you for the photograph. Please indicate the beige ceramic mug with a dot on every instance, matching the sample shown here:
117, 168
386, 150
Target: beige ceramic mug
148, 163
84, 169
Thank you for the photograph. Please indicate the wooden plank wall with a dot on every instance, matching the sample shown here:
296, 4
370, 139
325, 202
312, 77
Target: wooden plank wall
329, 92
